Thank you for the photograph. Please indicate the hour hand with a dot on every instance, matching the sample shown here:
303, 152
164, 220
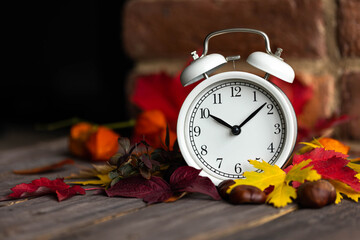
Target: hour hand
222, 122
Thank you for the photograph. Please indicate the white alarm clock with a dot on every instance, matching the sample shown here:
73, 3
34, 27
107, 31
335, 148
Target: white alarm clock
232, 117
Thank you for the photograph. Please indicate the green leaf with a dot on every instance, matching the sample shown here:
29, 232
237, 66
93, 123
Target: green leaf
113, 174
127, 170
115, 180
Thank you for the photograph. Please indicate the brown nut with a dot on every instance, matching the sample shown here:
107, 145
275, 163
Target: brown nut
247, 194
223, 187
316, 194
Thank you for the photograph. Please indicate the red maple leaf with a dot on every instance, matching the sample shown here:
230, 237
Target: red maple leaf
330, 165
318, 154
162, 92
44, 186
298, 93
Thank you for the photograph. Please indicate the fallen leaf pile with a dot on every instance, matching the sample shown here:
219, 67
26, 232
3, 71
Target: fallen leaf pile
161, 175
329, 159
183, 180
154, 175
271, 175
320, 159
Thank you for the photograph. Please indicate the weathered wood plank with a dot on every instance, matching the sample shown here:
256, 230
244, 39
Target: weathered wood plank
333, 222
195, 217
44, 216
32, 156
179, 220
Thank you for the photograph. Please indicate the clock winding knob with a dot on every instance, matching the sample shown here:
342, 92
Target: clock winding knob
194, 55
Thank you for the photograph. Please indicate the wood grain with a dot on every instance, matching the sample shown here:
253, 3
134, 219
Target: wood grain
194, 217
185, 219
333, 222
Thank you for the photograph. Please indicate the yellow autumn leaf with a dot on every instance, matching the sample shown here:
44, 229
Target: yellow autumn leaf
342, 188
92, 172
300, 173
309, 146
98, 174
326, 143
283, 193
354, 166
271, 174
103, 180
103, 168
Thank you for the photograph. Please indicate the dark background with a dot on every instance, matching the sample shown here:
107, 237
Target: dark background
63, 59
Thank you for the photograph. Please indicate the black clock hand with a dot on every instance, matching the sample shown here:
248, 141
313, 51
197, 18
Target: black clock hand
234, 129
251, 115
221, 121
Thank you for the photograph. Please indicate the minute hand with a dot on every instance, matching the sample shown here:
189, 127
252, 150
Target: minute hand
251, 115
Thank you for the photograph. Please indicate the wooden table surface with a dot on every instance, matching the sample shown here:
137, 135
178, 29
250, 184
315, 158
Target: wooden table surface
193, 217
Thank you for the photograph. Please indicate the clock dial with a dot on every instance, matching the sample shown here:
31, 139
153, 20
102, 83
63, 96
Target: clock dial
232, 121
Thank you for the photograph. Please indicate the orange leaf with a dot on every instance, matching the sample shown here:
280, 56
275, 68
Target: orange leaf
152, 125
45, 168
175, 197
150, 122
332, 144
79, 134
102, 144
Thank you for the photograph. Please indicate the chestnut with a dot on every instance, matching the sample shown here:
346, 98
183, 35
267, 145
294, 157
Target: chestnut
316, 194
247, 194
223, 187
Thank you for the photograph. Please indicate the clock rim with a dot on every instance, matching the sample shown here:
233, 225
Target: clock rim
278, 94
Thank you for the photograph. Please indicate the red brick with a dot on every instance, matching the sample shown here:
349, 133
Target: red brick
349, 27
351, 104
174, 28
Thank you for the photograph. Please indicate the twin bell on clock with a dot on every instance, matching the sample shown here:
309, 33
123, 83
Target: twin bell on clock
232, 117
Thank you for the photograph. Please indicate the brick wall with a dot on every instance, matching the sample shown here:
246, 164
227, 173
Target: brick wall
320, 38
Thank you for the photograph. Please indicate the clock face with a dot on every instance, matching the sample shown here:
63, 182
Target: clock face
232, 121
